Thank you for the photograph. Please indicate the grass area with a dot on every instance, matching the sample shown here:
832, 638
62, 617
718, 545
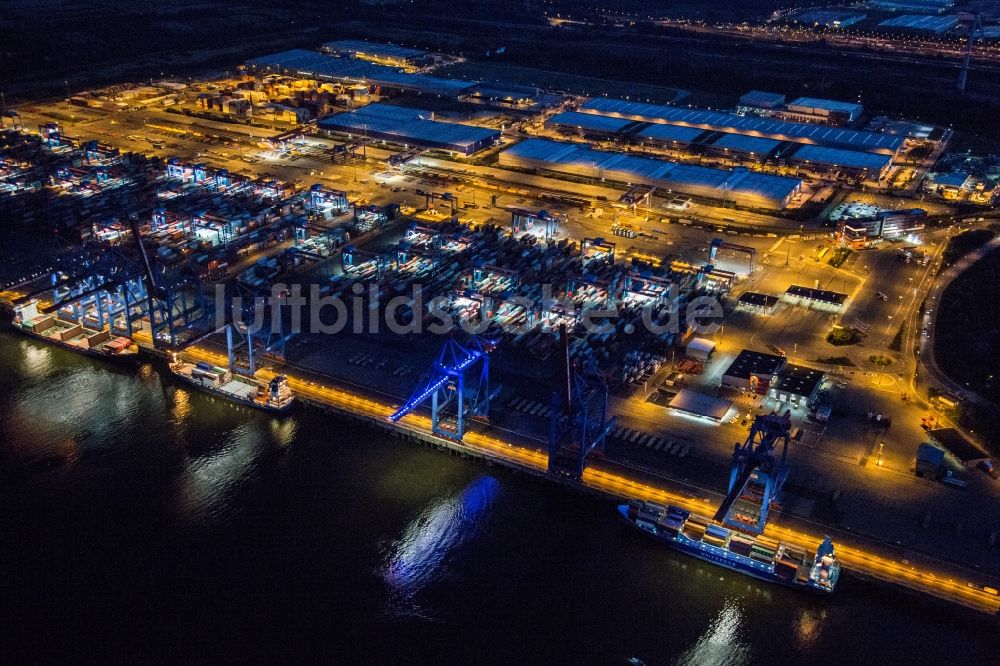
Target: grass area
840, 256
836, 360
966, 242
843, 336
880, 361
897, 340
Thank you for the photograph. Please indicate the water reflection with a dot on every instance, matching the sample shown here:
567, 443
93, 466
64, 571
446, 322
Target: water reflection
808, 626
37, 359
723, 644
420, 556
208, 483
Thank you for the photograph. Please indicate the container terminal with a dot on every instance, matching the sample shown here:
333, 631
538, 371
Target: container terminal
517, 221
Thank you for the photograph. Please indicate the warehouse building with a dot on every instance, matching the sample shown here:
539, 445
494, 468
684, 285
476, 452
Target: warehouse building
848, 162
770, 128
817, 299
740, 186
588, 125
830, 111
757, 303
753, 371
756, 101
912, 6
740, 145
325, 67
382, 54
934, 25
829, 18
410, 127
797, 385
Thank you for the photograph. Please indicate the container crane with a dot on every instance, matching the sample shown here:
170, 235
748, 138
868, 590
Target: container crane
975, 24
757, 475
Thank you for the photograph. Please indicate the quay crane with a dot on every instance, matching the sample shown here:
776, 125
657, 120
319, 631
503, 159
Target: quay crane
579, 420
447, 382
757, 474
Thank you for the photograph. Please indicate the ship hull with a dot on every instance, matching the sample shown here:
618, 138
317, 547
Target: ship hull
232, 397
127, 357
722, 558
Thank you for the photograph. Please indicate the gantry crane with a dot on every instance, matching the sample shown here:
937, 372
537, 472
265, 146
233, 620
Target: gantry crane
757, 475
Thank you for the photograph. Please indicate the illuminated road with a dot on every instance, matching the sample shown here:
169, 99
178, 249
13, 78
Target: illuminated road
941, 584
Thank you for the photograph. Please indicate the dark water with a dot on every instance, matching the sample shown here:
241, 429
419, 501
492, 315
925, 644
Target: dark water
141, 522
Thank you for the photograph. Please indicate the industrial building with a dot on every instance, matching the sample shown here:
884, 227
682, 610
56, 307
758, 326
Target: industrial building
757, 302
888, 224
830, 18
382, 54
740, 186
817, 299
757, 100
771, 128
797, 385
520, 98
848, 162
588, 125
935, 25
912, 6
325, 67
830, 111
700, 405
753, 371
802, 109
410, 127
732, 145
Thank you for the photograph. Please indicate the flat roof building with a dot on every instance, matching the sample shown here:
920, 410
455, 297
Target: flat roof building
826, 109
937, 25
912, 6
829, 18
384, 54
797, 385
770, 128
700, 405
587, 123
872, 165
761, 99
411, 127
753, 371
757, 302
743, 145
818, 299
740, 186
325, 67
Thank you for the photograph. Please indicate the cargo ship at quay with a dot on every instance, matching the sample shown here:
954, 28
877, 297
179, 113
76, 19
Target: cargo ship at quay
273, 396
758, 556
72, 335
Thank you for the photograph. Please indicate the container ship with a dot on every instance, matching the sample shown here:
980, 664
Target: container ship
99, 343
757, 556
273, 396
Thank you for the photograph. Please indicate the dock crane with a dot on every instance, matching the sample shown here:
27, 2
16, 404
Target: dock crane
975, 23
579, 421
757, 475
446, 383
168, 302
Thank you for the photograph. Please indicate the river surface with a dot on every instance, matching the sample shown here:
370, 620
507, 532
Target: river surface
142, 522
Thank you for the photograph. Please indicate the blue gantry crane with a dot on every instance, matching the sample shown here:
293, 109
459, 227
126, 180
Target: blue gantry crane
757, 475
578, 423
460, 375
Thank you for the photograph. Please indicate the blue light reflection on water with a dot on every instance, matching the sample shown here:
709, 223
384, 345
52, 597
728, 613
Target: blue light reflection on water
420, 556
